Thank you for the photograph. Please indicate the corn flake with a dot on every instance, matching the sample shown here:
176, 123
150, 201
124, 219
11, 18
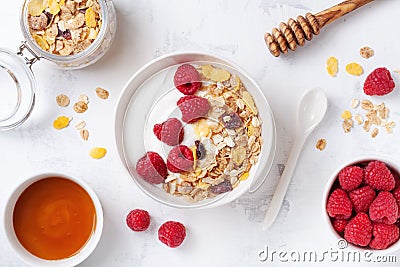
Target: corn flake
54, 7
90, 18
36, 7
220, 75
346, 115
41, 42
61, 122
354, 69
332, 66
97, 152
206, 70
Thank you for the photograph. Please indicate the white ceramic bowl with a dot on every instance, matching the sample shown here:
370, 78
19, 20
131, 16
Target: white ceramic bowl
135, 105
393, 165
31, 259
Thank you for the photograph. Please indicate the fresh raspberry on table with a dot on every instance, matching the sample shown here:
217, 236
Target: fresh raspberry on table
180, 159
362, 198
193, 108
359, 230
172, 233
384, 208
151, 167
187, 79
339, 205
379, 82
351, 177
339, 225
170, 131
138, 220
384, 235
378, 176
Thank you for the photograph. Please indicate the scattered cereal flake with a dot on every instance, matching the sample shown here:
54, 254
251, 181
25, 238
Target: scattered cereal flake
36, 7
359, 119
80, 125
54, 7
97, 152
367, 105
354, 103
41, 42
90, 18
397, 71
80, 107
62, 100
220, 75
366, 52
332, 66
346, 115
354, 69
374, 132
321, 144
61, 122
83, 98
248, 99
102, 93
347, 125
84, 134
367, 126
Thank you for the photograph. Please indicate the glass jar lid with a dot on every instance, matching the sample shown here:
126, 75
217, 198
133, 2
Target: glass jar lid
17, 90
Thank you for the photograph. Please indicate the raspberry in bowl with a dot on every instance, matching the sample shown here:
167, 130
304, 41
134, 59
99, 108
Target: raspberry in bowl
209, 124
361, 204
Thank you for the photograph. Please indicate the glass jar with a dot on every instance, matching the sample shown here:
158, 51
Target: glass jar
17, 79
91, 54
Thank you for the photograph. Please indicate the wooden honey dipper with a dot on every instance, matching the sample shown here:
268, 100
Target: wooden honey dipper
295, 33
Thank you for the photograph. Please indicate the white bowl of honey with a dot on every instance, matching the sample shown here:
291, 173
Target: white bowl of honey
53, 220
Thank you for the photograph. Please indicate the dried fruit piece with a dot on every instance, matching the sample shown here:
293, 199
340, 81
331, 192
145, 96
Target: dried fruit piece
332, 66
366, 52
90, 18
97, 152
221, 188
321, 144
231, 120
61, 122
200, 150
220, 75
248, 99
84, 134
80, 107
102, 93
62, 100
354, 69
36, 7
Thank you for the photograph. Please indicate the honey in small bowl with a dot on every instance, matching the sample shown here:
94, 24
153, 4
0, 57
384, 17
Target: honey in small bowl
54, 218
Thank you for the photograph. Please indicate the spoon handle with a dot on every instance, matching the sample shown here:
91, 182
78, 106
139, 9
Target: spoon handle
283, 184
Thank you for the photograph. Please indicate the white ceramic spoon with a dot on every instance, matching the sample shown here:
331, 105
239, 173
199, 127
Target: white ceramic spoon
311, 109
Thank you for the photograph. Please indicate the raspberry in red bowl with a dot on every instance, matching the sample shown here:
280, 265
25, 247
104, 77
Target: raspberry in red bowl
362, 204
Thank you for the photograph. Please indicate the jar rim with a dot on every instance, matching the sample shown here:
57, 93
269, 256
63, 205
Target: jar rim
52, 57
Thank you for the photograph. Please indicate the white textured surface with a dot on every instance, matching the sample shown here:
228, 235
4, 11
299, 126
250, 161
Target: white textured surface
230, 235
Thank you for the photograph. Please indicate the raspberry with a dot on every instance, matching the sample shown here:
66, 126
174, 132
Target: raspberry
384, 235
193, 108
378, 176
396, 195
339, 205
180, 159
361, 198
339, 225
170, 131
351, 177
138, 220
172, 233
151, 167
384, 208
379, 82
187, 79
359, 230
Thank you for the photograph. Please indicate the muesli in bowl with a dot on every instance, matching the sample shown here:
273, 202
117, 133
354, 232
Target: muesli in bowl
203, 130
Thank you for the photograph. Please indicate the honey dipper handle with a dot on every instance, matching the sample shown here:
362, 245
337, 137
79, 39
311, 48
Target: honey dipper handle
295, 32
331, 14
